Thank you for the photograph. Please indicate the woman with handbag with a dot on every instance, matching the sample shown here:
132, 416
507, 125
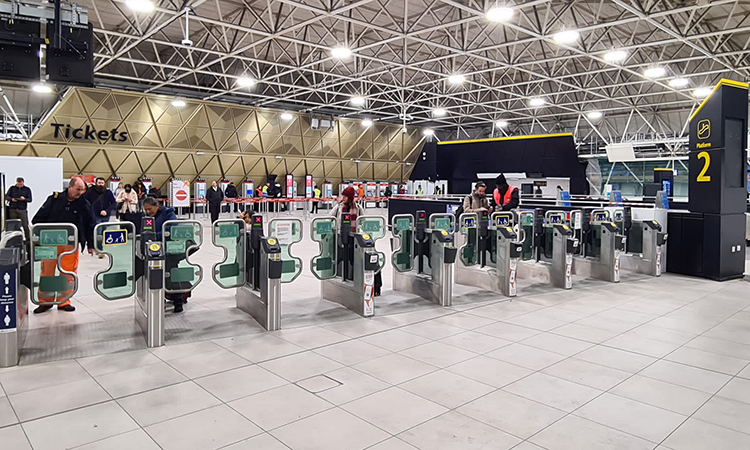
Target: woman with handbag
127, 204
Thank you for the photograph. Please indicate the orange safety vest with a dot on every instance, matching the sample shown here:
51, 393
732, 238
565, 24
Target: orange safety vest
506, 198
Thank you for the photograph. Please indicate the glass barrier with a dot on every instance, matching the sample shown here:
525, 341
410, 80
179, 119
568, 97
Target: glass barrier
323, 231
526, 222
402, 228
182, 238
442, 221
375, 227
229, 235
468, 228
288, 232
54, 255
116, 240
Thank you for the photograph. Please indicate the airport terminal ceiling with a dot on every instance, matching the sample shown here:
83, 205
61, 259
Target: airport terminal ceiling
605, 71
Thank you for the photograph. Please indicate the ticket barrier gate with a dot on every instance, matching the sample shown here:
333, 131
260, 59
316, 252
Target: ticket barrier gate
424, 243
260, 293
645, 243
14, 308
347, 262
548, 248
602, 246
502, 275
149, 276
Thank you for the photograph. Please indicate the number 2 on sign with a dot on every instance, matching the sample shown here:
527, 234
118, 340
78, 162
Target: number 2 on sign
702, 177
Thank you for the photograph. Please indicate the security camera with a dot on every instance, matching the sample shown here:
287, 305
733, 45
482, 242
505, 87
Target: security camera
187, 42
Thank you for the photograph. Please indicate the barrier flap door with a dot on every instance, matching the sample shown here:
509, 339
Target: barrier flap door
54, 257
375, 227
182, 238
468, 228
117, 241
323, 231
230, 236
402, 227
287, 232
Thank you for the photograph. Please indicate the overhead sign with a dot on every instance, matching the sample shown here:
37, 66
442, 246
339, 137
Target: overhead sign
180, 193
89, 133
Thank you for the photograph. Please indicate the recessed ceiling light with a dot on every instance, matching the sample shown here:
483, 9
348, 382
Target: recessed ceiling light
177, 103
501, 123
702, 92
279, 156
537, 101
357, 100
200, 153
41, 88
140, 6
456, 79
245, 81
286, 116
679, 82
366, 123
439, 112
594, 115
655, 72
341, 52
428, 132
566, 37
615, 56
499, 14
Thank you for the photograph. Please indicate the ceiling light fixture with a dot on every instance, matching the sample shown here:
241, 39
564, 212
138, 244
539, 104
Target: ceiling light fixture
456, 79
439, 112
366, 123
501, 123
702, 92
655, 72
499, 14
678, 82
615, 56
341, 52
536, 102
41, 88
279, 156
140, 6
245, 81
357, 100
566, 37
177, 103
428, 132
594, 115
286, 116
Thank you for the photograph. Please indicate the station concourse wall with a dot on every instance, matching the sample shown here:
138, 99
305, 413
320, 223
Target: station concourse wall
458, 162
111, 133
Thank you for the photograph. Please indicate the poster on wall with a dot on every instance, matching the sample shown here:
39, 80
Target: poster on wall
180, 193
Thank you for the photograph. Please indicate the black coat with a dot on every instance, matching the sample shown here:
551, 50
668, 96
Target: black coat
57, 209
231, 192
214, 197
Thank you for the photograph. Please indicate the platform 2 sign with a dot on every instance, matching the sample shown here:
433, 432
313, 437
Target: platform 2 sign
7, 301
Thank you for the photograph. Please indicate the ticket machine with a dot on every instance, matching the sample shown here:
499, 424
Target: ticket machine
424, 260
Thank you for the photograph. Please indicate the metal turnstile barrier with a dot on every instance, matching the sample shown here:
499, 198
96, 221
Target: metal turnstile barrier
14, 307
149, 286
604, 245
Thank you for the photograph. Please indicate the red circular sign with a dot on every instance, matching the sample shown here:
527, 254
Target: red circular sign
180, 195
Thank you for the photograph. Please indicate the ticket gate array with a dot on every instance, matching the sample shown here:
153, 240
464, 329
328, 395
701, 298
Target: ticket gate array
645, 244
424, 260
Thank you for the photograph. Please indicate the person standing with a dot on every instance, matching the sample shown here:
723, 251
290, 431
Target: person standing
127, 201
477, 200
316, 199
419, 190
231, 193
163, 214
505, 196
68, 206
102, 201
214, 197
361, 192
19, 197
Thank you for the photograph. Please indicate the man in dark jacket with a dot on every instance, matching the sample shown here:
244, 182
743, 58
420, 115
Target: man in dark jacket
102, 201
162, 214
19, 197
68, 206
214, 197
231, 192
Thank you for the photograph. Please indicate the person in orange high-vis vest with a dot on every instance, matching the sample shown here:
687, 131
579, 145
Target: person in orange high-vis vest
68, 206
505, 196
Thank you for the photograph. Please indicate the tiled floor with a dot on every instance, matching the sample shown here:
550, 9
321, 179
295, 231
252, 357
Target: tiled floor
649, 363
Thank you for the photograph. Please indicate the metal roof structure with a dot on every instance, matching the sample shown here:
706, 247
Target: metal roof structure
404, 52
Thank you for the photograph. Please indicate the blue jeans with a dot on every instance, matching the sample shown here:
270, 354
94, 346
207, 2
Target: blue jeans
100, 219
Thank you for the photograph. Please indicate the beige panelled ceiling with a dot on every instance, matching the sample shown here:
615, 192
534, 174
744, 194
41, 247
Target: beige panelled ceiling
129, 135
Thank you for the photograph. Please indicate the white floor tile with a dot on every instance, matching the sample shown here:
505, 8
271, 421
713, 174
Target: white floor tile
238, 383
300, 366
490, 371
395, 369
51, 400
454, 431
333, 430
280, 406
552, 391
575, 433
446, 388
168, 402
394, 410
